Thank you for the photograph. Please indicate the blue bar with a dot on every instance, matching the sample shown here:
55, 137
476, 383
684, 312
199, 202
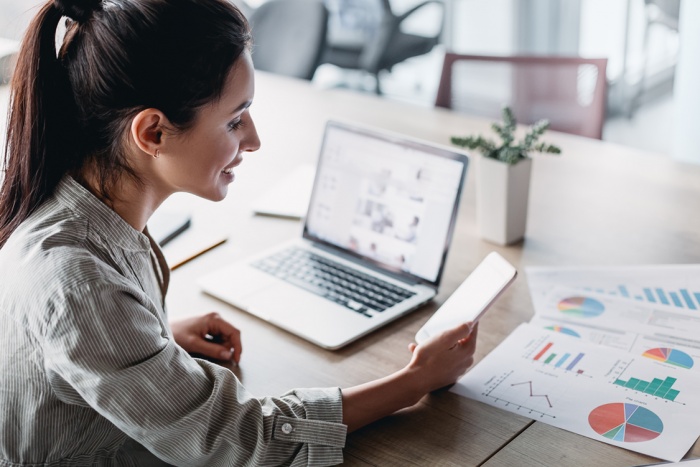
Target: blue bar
562, 360
600, 290
697, 296
676, 300
639, 297
574, 362
623, 291
662, 297
650, 296
688, 299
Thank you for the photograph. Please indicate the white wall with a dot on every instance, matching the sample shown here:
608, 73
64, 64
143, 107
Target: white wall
687, 92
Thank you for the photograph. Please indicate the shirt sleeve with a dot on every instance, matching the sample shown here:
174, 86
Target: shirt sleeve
105, 347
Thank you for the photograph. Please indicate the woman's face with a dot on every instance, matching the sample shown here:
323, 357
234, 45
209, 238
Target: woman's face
202, 159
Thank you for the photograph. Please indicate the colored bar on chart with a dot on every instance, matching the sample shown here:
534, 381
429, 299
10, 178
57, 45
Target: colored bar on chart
697, 296
662, 296
632, 383
639, 297
562, 360
550, 358
656, 388
664, 388
676, 299
542, 352
655, 384
688, 299
600, 290
650, 296
623, 291
574, 362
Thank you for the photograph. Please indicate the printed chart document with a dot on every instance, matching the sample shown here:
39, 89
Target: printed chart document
644, 403
647, 309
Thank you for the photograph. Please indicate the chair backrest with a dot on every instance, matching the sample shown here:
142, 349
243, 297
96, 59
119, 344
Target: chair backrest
390, 45
570, 92
289, 36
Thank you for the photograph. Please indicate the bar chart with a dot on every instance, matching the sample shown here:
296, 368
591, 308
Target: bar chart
662, 388
565, 360
679, 298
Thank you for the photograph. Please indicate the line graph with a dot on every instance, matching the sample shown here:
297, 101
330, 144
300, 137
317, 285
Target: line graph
503, 392
534, 395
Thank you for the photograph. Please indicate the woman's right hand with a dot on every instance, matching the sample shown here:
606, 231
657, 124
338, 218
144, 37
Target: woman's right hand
442, 359
436, 363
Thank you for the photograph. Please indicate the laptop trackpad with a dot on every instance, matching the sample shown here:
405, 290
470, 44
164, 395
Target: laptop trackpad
280, 299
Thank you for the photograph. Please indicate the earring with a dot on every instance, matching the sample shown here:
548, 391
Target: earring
156, 155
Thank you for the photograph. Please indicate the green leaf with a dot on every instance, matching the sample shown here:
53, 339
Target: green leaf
508, 152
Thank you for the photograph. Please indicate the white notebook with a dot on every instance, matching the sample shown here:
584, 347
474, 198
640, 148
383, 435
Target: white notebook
289, 197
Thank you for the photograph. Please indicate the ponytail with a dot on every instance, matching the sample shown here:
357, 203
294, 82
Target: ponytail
70, 111
40, 126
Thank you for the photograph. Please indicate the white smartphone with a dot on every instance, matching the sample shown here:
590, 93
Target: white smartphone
472, 298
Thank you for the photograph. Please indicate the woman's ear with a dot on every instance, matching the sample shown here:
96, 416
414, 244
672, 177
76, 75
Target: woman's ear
147, 131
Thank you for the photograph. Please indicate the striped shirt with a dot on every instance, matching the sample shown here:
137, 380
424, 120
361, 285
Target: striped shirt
91, 374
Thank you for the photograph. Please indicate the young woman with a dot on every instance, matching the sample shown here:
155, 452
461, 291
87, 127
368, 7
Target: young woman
142, 99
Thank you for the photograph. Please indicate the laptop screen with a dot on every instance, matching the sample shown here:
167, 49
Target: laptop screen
386, 199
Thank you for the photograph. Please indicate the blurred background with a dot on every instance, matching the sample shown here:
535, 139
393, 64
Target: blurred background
396, 48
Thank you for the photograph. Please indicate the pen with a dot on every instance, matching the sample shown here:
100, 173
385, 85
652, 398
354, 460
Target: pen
197, 254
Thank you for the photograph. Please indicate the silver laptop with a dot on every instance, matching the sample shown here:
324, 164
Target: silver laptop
375, 240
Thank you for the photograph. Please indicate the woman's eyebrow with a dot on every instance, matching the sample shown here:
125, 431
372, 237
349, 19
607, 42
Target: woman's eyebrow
243, 106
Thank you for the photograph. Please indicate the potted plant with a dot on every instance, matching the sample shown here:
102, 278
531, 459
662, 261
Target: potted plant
503, 178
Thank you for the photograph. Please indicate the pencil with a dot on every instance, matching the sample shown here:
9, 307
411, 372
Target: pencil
197, 254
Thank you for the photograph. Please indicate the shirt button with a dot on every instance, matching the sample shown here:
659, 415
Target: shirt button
287, 428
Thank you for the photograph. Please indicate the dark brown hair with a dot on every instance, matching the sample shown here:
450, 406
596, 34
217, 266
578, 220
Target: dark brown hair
72, 107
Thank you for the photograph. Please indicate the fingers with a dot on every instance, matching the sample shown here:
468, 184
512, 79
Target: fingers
412, 346
203, 346
457, 334
472, 336
228, 334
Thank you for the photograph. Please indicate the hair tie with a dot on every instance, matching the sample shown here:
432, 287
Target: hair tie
78, 10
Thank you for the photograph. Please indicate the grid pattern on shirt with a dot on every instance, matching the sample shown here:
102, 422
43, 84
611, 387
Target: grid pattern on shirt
89, 366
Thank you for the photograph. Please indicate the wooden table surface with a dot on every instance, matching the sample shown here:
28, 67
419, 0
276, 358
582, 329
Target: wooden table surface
597, 204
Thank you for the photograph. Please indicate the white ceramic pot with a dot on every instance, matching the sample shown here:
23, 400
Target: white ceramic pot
501, 199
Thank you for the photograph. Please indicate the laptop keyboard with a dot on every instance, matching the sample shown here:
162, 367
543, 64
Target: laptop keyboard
359, 292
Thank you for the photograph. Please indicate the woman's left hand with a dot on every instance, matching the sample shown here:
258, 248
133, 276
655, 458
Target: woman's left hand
208, 335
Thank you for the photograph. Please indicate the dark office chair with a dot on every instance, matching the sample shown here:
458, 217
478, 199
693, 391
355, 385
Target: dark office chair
289, 36
568, 91
386, 46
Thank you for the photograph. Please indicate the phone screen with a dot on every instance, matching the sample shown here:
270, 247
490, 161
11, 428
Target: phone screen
472, 298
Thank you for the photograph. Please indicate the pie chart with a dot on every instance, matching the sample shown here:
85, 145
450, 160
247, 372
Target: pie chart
583, 307
670, 356
563, 330
628, 423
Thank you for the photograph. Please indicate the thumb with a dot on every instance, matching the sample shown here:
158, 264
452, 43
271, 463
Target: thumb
456, 334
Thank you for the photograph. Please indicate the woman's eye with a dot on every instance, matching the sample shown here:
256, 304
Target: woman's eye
235, 125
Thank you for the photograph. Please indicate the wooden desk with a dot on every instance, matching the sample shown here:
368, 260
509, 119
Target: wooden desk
598, 204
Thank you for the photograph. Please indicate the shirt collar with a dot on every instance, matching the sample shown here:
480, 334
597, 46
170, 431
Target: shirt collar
101, 219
